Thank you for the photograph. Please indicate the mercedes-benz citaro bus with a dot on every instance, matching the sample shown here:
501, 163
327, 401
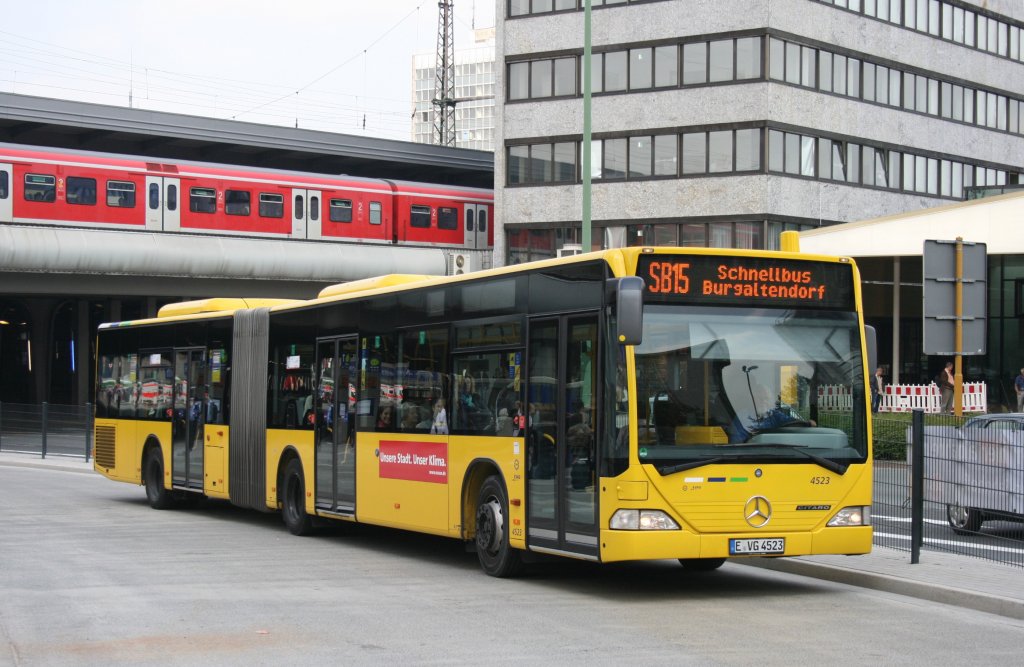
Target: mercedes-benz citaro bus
627, 404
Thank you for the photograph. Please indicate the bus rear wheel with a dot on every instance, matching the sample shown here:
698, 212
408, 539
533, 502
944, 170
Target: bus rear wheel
701, 564
497, 557
293, 499
153, 476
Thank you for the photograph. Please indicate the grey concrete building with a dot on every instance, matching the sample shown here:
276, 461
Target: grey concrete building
724, 123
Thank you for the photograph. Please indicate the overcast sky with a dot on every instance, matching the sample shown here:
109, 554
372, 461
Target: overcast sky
326, 63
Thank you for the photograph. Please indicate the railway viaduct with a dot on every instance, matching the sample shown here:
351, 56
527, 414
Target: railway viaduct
56, 285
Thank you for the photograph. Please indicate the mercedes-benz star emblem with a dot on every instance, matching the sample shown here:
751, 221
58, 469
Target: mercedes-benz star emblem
757, 511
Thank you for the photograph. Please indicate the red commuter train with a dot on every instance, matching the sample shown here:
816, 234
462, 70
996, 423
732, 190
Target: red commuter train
45, 186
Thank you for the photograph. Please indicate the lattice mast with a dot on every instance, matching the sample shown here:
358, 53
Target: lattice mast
444, 82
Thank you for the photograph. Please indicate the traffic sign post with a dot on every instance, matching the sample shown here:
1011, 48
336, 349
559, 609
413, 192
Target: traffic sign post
955, 303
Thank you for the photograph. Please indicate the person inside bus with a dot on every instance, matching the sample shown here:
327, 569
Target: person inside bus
385, 418
439, 424
765, 415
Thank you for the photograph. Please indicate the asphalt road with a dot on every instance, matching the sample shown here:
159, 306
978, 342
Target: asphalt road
90, 575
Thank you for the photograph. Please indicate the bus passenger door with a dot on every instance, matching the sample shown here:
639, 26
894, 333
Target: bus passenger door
162, 212
334, 425
476, 224
190, 409
306, 207
561, 441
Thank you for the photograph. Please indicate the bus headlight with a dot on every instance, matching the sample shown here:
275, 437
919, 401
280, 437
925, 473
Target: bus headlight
852, 516
642, 520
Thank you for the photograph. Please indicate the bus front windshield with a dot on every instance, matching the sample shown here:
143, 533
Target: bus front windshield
718, 384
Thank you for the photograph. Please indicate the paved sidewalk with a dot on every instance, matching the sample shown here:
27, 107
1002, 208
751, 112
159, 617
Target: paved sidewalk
947, 578
962, 581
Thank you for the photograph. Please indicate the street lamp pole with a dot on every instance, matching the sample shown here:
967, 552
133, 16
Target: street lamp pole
585, 222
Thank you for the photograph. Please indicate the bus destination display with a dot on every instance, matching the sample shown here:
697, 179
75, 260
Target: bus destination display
746, 280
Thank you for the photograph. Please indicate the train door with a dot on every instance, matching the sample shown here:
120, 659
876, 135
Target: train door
561, 473
306, 213
191, 402
335, 427
476, 224
162, 212
6, 193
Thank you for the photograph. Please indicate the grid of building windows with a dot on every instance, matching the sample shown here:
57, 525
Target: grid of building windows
715, 151
474, 90
526, 244
527, 7
738, 59
823, 70
639, 68
986, 32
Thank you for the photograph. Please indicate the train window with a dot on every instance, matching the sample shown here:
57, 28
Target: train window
154, 196
341, 210
376, 213
4, 187
447, 218
172, 197
40, 187
419, 216
236, 202
470, 223
121, 194
202, 200
81, 191
299, 208
483, 221
314, 208
271, 205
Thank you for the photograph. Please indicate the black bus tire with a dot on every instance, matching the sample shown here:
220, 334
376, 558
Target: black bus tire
497, 557
701, 564
293, 499
153, 477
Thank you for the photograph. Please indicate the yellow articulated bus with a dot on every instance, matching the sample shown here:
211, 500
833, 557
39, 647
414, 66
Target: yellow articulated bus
639, 403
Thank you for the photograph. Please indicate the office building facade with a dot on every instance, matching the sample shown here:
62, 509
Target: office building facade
724, 123
474, 92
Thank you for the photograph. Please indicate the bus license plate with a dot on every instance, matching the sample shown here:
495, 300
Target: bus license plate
761, 545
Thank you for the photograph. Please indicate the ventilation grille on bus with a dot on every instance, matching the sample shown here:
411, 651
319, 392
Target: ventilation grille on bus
105, 446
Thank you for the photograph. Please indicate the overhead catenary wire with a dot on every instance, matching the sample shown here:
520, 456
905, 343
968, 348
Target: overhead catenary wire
51, 69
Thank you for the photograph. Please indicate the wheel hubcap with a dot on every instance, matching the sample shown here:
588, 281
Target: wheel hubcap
958, 515
489, 526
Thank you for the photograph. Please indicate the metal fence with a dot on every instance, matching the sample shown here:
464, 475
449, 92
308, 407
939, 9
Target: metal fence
960, 490
47, 430
950, 484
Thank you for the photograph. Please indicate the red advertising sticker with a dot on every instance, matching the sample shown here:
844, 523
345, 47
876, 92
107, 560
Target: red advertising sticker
414, 461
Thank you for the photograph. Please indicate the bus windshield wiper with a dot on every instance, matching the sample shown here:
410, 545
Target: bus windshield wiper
680, 467
827, 464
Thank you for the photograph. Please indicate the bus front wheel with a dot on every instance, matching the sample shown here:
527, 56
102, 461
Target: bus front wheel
701, 564
159, 497
497, 557
293, 500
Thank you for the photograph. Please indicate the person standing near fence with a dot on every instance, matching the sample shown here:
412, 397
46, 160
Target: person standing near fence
1018, 385
945, 382
877, 386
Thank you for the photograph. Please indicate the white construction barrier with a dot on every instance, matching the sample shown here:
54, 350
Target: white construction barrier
928, 397
905, 398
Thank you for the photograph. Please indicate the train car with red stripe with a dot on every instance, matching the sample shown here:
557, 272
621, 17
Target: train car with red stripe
63, 187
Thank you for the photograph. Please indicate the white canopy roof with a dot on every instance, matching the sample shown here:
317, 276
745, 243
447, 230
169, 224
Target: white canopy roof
996, 221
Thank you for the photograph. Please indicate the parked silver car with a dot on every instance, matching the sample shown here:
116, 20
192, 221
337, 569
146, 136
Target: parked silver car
1003, 436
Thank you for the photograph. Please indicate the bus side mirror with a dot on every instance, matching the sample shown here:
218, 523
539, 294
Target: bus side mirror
629, 301
871, 342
